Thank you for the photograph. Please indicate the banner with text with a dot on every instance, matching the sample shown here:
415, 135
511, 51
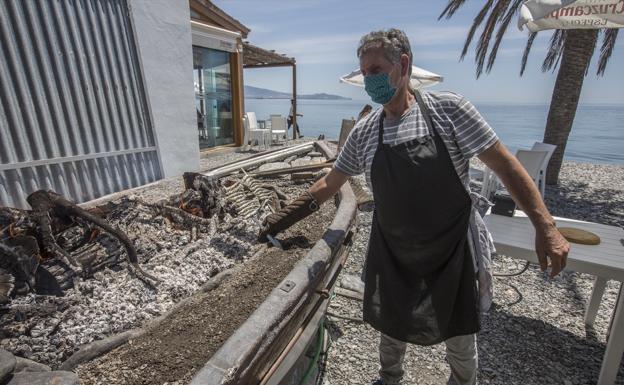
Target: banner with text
539, 15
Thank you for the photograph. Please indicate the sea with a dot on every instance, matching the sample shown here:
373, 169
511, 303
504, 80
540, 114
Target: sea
597, 134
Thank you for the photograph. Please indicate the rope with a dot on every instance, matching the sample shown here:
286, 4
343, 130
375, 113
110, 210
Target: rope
526, 266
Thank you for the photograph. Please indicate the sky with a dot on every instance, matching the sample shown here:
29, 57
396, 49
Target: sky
322, 36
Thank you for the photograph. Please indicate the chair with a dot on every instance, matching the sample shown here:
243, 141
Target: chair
532, 162
345, 130
550, 148
253, 132
278, 127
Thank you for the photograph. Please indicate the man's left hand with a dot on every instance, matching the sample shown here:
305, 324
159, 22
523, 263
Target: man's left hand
550, 244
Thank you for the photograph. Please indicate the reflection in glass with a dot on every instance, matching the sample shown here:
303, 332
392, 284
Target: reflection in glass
213, 96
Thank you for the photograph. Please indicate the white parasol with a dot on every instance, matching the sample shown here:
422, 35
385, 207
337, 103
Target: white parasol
539, 15
420, 78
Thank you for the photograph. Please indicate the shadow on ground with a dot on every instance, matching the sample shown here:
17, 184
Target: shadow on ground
541, 352
577, 200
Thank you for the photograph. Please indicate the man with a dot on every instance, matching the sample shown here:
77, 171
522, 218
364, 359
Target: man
426, 247
290, 119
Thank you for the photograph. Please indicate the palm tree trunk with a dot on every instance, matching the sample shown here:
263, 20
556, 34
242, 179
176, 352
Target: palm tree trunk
577, 52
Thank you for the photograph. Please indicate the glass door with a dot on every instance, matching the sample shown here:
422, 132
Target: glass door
213, 96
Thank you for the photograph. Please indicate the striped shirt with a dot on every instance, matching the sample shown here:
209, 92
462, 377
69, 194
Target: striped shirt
463, 130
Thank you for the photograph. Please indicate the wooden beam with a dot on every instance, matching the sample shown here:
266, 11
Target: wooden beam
214, 14
237, 98
267, 65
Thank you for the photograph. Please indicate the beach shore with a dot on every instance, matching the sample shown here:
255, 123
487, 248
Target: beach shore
533, 335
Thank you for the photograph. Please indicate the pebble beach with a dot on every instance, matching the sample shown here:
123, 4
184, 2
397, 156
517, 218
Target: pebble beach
534, 333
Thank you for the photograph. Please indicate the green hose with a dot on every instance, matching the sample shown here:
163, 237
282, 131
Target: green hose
317, 354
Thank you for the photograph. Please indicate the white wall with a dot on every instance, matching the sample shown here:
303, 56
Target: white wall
163, 32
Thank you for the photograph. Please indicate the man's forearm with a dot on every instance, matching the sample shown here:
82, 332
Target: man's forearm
328, 186
304, 205
525, 193
549, 243
519, 184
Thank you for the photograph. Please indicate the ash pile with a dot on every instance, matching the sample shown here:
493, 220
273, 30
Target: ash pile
70, 275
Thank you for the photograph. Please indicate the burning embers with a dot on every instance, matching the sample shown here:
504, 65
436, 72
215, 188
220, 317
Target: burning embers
69, 276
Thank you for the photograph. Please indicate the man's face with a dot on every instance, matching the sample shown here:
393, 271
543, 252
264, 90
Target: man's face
375, 62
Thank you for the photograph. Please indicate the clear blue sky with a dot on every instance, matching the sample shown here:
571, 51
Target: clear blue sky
322, 35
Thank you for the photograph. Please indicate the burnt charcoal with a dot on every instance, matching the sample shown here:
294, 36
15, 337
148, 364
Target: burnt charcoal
74, 237
211, 193
19, 255
104, 251
21, 288
14, 222
60, 271
46, 283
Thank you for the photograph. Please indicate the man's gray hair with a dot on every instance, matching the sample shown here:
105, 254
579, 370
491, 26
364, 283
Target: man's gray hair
393, 41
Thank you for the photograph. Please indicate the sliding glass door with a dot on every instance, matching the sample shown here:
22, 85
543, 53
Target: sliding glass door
213, 96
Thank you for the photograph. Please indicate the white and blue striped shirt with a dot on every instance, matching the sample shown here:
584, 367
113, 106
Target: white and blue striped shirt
463, 130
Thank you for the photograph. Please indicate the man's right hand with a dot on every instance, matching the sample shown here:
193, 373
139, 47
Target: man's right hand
320, 191
300, 208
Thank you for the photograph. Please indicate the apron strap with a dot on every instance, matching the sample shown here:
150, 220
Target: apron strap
425, 111
382, 116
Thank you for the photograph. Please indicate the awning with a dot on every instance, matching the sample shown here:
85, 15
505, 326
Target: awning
209, 36
539, 15
254, 56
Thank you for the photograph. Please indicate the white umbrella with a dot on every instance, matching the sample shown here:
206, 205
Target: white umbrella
539, 15
420, 78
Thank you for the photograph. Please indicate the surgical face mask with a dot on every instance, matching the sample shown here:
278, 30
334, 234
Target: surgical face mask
378, 87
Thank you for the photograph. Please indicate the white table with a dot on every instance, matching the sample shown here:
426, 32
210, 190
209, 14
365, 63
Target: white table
515, 237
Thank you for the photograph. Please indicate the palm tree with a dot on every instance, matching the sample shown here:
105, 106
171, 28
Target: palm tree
571, 50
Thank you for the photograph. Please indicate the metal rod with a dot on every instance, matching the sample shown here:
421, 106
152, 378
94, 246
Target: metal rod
292, 170
246, 164
294, 101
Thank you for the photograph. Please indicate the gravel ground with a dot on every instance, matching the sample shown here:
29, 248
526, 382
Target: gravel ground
534, 333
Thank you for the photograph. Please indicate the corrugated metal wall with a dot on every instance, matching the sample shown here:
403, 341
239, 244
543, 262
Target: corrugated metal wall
73, 114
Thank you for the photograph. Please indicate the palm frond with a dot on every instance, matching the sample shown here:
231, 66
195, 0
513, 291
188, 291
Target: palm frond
527, 49
451, 8
511, 11
486, 35
555, 50
475, 24
608, 44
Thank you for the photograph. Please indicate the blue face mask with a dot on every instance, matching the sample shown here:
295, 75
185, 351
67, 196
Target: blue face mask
378, 88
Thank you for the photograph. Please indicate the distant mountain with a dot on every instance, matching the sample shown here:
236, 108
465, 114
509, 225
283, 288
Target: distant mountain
262, 93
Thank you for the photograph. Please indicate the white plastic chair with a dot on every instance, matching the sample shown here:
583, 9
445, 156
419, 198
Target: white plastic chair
531, 161
550, 148
278, 127
256, 133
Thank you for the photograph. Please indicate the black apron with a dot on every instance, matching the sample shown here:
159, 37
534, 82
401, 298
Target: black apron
419, 275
